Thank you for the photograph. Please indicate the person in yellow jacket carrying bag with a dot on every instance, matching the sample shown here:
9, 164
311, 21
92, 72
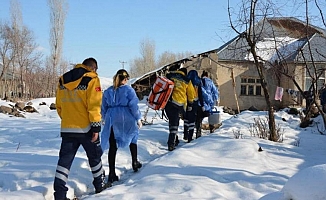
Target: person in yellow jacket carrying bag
182, 98
78, 103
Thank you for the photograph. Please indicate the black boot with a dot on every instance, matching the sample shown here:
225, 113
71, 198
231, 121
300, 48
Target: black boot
211, 128
103, 185
112, 178
198, 132
185, 132
173, 141
191, 133
136, 165
112, 155
133, 151
185, 136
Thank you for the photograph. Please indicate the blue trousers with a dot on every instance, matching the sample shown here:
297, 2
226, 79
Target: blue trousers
69, 147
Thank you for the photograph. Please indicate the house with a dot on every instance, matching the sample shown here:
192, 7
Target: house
283, 46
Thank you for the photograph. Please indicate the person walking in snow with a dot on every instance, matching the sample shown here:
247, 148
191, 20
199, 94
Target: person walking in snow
122, 121
191, 114
210, 96
322, 95
181, 99
78, 103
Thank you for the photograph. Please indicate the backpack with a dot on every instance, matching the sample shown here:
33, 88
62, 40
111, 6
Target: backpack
160, 93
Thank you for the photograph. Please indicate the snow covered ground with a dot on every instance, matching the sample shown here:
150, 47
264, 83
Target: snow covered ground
215, 166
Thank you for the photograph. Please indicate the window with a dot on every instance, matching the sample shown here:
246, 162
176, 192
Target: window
320, 71
250, 86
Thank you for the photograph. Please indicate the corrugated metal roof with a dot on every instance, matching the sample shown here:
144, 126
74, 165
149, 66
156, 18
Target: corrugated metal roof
318, 50
272, 32
237, 49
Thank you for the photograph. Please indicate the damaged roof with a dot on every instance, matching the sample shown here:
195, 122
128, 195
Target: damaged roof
279, 39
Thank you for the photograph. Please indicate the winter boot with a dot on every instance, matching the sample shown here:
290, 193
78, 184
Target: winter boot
185, 136
185, 132
133, 151
176, 140
191, 133
103, 184
211, 128
198, 132
136, 165
172, 141
112, 178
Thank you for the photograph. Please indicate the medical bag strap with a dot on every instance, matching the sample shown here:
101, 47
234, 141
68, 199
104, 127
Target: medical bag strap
164, 115
157, 93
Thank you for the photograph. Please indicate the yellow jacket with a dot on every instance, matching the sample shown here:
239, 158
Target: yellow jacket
183, 92
78, 101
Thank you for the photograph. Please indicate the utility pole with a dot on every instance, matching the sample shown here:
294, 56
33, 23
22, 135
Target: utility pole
123, 64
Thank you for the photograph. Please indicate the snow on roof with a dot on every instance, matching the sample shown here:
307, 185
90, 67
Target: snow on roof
278, 48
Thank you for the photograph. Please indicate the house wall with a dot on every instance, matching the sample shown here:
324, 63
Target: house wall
207, 63
229, 93
220, 72
286, 83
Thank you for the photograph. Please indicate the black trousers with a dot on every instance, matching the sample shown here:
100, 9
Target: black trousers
173, 113
113, 153
190, 121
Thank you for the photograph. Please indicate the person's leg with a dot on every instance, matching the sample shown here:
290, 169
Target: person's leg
199, 119
191, 123
198, 129
133, 151
94, 153
172, 113
68, 149
211, 128
185, 127
112, 156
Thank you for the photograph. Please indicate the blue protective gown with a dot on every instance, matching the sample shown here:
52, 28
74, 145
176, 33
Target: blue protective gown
210, 94
120, 110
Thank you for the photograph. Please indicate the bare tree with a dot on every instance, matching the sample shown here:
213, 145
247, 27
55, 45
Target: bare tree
58, 12
250, 13
314, 70
24, 47
135, 67
168, 57
261, 10
147, 51
147, 62
6, 57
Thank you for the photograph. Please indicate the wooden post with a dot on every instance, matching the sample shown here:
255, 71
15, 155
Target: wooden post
234, 90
